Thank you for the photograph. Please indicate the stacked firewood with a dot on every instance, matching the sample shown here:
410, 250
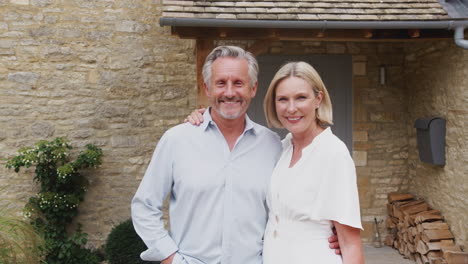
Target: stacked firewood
419, 232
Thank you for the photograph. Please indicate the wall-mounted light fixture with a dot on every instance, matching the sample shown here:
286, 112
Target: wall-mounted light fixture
382, 75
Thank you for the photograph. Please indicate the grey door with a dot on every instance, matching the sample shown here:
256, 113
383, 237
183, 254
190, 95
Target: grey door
336, 72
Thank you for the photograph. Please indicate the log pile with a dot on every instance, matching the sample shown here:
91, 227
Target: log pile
419, 232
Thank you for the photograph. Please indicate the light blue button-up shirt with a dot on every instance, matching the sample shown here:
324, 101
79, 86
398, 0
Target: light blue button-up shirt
217, 208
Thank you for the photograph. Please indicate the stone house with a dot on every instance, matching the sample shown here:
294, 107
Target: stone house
119, 73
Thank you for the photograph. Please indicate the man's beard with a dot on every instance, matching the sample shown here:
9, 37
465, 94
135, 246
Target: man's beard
243, 105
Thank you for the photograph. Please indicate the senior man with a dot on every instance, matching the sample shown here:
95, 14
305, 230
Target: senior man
217, 174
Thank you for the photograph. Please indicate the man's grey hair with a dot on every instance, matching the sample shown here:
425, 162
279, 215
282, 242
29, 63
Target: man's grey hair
233, 52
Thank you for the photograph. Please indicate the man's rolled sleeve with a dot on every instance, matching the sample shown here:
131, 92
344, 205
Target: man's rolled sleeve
148, 202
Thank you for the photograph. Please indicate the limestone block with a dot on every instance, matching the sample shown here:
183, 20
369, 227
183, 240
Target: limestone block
3, 26
29, 42
131, 26
7, 43
360, 158
365, 197
56, 52
359, 68
6, 52
24, 77
360, 136
50, 19
81, 134
2, 135
99, 34
42, 130
336, 48
41, 32
39, 17
70, 32
41, 3
20, 2
124, 141
368, 229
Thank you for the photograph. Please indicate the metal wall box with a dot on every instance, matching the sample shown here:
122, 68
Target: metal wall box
430, 134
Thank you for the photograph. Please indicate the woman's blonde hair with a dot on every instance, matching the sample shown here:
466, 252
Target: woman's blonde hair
306, 72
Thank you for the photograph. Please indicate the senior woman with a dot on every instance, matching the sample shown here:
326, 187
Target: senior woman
313, 185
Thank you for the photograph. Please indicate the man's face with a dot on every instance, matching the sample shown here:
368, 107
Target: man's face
230, 91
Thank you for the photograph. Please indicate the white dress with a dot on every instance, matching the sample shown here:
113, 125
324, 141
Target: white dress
304, 199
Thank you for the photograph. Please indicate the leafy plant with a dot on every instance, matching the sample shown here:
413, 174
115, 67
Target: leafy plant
62, 188
19, 241
123, 245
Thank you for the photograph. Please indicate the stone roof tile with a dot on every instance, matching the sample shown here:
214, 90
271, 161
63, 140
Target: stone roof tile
308, 9
226, 16
246, 16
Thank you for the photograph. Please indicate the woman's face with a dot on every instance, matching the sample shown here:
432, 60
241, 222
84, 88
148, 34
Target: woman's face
296, 104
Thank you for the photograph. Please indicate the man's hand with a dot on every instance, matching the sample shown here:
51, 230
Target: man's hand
334, 244
169, 259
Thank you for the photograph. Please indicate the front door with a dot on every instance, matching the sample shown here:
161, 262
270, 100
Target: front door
336, 73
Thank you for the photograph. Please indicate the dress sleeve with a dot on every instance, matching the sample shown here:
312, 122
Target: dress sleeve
338, 198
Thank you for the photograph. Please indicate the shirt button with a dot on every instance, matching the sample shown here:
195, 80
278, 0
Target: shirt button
277, 218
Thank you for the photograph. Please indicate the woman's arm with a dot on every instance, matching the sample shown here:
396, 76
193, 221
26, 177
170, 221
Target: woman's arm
350, 243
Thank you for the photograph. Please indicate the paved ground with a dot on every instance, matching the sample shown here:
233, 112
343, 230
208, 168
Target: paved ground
383, 255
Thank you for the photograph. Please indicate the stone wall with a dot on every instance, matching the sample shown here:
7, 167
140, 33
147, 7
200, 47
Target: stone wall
437, 84
101, 72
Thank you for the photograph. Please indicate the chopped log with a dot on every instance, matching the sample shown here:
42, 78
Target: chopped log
389, 240
415, 208
417, 238
431, 225
435, 254
428, 216
422, 247
391, 222
392, 197
456, 257
419, 259
407, 252
411, 248
425, 259
436, 235
397, 206
396, 244
439, 225
453, 248
400, 226
400, 208
437, 261
390, 209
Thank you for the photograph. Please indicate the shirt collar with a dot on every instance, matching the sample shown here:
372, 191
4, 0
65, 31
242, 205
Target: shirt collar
249, 124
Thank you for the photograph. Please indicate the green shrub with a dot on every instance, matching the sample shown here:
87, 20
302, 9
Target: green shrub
123, 245
62, 189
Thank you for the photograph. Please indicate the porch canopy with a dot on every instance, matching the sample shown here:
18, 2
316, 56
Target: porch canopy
320, 20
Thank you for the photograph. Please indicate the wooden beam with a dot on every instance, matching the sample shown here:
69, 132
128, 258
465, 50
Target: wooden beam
311, 34
203, 48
